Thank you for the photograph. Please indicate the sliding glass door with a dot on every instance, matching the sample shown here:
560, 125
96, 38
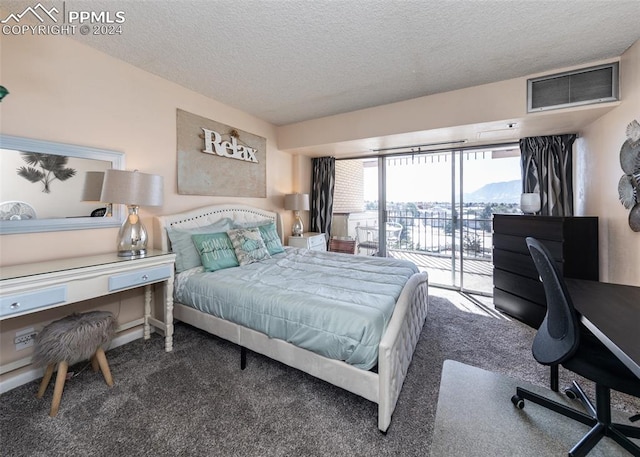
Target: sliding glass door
431, 208
421, 204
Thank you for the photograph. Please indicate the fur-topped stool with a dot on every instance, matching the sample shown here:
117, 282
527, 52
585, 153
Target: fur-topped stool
70, 340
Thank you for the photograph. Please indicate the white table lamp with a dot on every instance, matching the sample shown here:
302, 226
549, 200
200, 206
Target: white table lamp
297, 203
530, 202
133, 189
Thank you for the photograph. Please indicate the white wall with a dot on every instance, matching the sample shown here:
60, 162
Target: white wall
598, 172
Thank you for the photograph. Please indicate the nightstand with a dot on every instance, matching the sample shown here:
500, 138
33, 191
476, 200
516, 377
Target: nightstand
309, 240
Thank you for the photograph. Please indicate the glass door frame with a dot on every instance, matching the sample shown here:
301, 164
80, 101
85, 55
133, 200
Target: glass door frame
457, 205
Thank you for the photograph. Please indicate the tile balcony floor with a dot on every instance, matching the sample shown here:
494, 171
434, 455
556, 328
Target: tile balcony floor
478, 274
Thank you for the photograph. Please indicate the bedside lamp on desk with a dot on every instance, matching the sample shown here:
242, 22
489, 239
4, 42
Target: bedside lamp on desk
133, 189
297, 203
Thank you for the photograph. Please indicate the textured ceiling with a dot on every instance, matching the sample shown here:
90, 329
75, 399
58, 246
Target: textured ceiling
288, 61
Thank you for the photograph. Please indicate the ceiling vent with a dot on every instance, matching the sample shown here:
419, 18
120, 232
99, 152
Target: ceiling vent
573, 88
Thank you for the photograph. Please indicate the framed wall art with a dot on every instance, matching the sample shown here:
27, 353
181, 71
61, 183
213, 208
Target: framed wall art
217, 159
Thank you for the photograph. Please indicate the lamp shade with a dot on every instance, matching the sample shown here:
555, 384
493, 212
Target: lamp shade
296, 202
132, 188
92, 186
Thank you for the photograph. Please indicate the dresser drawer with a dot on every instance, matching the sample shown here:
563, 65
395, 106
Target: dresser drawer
139, 277
519, 244
298, 242
318, 243
527, 311
30, 301
531, 289
545, 228
311, 240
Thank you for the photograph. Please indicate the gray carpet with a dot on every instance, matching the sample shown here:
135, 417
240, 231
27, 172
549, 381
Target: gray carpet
195, 401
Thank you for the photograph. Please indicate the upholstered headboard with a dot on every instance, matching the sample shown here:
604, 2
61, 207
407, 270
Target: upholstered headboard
207, 215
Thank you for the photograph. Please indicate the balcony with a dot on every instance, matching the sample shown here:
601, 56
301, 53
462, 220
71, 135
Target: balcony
433, 242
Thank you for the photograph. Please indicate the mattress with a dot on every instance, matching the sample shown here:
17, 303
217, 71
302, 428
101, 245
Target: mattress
337, 305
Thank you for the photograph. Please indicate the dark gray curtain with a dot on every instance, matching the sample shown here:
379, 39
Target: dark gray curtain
323, 182
548, 170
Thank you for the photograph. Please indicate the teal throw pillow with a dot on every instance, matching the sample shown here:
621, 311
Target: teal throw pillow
248, 245
271, 238
216, 251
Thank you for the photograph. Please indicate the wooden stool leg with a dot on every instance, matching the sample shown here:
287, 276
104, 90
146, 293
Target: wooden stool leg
45, 380
94, 363
57, 391
104, 366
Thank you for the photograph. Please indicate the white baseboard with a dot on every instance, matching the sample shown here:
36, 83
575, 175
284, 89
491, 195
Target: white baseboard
35, 373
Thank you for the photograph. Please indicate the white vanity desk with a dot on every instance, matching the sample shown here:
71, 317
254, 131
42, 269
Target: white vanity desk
30, 288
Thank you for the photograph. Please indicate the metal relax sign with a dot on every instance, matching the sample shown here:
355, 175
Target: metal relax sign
203, 150
213, 144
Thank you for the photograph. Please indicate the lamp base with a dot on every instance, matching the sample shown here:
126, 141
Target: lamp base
132, 254
132, 237
298, 227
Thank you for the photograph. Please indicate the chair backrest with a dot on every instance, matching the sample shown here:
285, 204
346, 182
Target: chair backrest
393, 233
367, 235
341, 245
558, 337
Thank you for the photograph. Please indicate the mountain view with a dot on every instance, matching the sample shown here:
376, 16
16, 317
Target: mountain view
496, 192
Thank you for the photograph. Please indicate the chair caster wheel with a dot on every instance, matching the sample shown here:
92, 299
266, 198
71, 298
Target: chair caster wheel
571, 393
517, 401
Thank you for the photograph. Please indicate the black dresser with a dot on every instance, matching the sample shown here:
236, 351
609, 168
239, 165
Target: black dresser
573, 243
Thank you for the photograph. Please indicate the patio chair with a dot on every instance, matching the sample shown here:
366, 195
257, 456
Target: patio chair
367, 238
394, 230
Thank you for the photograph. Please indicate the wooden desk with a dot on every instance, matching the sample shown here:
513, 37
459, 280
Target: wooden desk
612, 313
30, 288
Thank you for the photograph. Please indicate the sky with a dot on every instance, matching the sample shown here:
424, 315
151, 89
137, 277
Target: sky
431, 180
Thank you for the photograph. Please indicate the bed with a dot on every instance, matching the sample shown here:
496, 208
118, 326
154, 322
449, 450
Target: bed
393, 346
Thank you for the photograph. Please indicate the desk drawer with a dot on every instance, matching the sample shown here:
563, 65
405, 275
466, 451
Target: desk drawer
139, 277
29, 301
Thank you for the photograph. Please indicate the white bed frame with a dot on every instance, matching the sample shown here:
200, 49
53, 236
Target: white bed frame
396, 347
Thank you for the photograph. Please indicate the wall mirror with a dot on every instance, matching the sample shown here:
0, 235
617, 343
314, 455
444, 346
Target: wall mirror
42, 186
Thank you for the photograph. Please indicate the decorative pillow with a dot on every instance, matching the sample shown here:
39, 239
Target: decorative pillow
248, 245
269, 234
187, 255
271, 238
216, 251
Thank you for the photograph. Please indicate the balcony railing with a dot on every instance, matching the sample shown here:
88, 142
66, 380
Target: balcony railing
438, 234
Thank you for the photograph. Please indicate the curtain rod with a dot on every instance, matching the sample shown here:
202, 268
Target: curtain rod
426, 145
434, 151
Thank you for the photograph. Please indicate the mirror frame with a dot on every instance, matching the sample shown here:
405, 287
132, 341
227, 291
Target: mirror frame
63, 223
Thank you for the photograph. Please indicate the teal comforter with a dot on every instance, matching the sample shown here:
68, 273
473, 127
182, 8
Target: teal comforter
336, 305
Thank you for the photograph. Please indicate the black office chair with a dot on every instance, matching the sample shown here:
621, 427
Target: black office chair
562, 340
